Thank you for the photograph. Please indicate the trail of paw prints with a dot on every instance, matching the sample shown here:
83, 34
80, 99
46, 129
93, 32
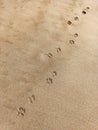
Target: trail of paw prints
76, 19
50, 55
50, 80
72, 41
21, 111
85, 10
71, 22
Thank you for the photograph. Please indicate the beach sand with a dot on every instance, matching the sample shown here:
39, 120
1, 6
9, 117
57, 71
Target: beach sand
48, 65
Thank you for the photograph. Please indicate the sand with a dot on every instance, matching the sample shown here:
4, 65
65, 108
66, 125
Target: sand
48, 65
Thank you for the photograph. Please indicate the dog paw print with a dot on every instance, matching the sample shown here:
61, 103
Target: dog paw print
32, 98
21, 111
71, 41
85, 10
54, 73
76, 18
69, 22
76, 35
49, 80
58, 50
50, 55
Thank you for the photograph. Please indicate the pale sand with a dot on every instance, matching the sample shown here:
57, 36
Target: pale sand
48, 76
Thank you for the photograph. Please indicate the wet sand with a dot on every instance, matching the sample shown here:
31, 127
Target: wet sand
48, 65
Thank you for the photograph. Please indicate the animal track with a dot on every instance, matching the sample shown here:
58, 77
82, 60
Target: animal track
69, 22
21, 111
58, 50
49, 55
54, 73
49, 80
83, 12
71, 41
87, 8
76, 35
76, 18
32, 98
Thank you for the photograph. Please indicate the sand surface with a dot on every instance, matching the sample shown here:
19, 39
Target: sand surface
48, 64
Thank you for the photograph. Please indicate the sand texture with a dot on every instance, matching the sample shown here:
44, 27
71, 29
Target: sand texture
48, 64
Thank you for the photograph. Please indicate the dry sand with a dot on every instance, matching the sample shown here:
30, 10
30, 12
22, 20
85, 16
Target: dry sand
48, 64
